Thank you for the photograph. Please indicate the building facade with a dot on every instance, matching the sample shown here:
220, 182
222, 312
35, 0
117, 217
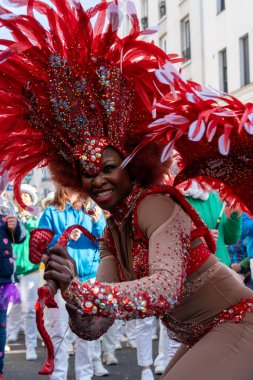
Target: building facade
214, 36
40, 178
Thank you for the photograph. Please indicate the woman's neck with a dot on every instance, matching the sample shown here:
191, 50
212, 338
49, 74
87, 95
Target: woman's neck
122, 209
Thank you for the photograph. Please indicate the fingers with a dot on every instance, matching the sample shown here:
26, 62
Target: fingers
75, 234
11, 222
60, 267
59, 251
52, 257
215, 234
60, 277
73, 310
96, 215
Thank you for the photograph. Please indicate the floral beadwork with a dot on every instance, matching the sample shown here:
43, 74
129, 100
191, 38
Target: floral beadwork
191, 333
102, 299
91, 155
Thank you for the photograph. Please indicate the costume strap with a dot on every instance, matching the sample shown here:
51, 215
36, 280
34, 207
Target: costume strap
201, 229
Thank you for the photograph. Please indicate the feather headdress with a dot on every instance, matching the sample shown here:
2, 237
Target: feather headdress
72, 87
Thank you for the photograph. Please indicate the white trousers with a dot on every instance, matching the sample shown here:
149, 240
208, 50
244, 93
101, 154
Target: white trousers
29, 294
166, 348
15, 321
127, 328
59, 330
144, 329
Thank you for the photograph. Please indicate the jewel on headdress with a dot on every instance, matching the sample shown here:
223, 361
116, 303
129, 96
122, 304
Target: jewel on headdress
92, 150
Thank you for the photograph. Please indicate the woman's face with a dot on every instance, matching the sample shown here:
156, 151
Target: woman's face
111, 185
27, 199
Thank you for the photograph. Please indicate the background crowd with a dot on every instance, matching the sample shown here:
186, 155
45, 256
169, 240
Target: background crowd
20, 279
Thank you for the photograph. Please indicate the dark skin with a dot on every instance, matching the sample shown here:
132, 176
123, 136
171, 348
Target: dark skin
111, 185
108, 189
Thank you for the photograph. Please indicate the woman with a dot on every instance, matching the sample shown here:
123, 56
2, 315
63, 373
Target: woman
149, 266
102, 111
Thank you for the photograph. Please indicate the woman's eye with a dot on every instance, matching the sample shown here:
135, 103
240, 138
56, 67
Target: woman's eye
87, 175
108, 168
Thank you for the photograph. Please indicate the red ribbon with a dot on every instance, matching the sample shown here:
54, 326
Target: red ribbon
40, 238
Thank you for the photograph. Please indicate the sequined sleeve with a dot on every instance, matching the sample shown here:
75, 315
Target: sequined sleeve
88, 327
151, 295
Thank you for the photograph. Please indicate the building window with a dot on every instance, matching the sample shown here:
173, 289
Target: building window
28, 177
223, 70
244, 60
162, 8
186, 38
45, 175
144, 14
163, 43
220, 6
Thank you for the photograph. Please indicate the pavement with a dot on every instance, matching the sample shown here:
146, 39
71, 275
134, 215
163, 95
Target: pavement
17, 368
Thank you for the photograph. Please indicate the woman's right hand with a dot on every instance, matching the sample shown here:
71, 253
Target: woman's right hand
75, 234
60, 267
215, 234
87, 327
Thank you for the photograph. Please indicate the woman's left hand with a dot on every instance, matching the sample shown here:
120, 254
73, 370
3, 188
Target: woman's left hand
96, 214
60, 267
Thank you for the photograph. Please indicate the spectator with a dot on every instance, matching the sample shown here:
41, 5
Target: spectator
11, 231
28, 273
66, 210
208, 205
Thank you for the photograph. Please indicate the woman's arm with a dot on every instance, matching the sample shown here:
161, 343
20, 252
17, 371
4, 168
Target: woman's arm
168, 231
85, 326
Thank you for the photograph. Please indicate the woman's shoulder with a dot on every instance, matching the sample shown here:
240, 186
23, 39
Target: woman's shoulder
158, 196
153, 209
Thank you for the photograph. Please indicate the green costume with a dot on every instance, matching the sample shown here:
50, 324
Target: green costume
23, 265
229, 228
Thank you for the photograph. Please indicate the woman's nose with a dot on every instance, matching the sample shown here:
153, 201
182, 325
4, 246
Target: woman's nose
99, 180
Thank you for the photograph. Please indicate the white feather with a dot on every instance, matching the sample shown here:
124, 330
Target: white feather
192, 129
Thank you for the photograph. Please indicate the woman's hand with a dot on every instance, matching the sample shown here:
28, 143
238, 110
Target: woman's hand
96, 214
87, 327
60, 267
75, 234
215, 234
11, 222
236, 267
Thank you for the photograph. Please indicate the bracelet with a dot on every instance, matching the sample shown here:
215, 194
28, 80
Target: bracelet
102, 299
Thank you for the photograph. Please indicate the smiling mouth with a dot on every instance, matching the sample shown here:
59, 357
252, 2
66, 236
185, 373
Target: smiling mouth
103, 196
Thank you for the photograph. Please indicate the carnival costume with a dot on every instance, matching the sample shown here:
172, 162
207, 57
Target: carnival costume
73, 88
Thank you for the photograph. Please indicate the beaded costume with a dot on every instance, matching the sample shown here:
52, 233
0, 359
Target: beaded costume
72, 88
158, 269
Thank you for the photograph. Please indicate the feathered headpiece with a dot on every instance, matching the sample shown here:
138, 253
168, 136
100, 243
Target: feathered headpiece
74, 86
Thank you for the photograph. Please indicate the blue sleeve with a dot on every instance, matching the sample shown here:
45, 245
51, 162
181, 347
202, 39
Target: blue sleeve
47, 221
98, 227
247, 226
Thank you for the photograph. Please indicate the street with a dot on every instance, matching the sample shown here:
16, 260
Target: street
17, 368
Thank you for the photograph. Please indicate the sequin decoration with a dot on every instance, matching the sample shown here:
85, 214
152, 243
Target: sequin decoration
91, 155
190, 333
102, 299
